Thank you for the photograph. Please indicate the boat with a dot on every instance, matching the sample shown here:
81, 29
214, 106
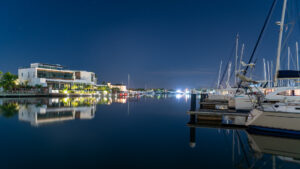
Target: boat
278, 94
276, 118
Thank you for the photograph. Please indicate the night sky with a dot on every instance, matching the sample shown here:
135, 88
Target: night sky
163, 43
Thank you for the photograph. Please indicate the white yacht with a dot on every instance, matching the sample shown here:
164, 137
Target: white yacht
279, 117
272, 95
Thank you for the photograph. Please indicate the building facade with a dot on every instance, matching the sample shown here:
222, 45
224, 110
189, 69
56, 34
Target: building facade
121, 87
54, 76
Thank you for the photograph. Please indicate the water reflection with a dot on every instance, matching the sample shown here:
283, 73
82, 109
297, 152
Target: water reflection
40, 111
109, 129
57, 110
250, 149
286, 149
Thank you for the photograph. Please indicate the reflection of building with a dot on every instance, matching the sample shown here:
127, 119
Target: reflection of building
54, 76
122, 87
55, 111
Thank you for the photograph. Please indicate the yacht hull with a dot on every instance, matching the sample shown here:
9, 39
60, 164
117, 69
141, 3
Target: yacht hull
275, 122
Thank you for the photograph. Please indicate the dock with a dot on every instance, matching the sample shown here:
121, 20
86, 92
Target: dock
226, 117
216, 112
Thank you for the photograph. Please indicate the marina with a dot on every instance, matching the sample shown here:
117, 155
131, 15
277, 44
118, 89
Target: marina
150, 84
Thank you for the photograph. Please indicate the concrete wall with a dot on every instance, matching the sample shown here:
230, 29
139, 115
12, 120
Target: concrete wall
87, 76
27, 74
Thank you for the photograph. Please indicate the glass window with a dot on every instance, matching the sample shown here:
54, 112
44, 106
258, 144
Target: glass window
54, 75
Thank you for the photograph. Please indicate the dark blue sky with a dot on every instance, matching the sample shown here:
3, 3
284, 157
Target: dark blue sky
163, 43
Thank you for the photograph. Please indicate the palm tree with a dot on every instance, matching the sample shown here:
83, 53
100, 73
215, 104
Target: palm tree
7, 81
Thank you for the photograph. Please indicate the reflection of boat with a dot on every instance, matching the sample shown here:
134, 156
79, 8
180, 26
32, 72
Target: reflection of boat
286, 149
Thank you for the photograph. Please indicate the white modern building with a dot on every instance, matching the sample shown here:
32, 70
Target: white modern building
122, 87
54, 76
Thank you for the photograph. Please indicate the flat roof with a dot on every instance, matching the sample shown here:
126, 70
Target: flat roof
46, 64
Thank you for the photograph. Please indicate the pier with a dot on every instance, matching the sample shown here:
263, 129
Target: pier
216, 113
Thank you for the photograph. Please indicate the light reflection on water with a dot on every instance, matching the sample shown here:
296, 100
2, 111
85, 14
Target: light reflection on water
138, 132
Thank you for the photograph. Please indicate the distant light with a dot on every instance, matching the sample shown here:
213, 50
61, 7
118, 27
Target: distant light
178, 91
178, 96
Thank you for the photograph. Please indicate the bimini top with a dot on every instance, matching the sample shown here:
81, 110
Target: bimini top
288, 74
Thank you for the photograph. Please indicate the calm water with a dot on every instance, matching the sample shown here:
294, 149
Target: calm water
147, 132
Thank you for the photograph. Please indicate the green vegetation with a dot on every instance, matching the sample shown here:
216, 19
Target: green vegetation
104, 88
74, 87
159, 90
38, 86
8, 81
9, 109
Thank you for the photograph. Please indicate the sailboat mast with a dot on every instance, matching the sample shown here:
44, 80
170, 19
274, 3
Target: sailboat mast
241, 57
268, 65
289, 55
218, 85
265, 71
279, 41
128, 80
236, 56
228, 75
271, 77
297, 55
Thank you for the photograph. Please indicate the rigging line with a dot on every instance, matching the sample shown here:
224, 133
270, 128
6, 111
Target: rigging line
259, 38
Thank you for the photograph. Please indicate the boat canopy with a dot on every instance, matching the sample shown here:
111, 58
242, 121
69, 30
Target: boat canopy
288, 74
